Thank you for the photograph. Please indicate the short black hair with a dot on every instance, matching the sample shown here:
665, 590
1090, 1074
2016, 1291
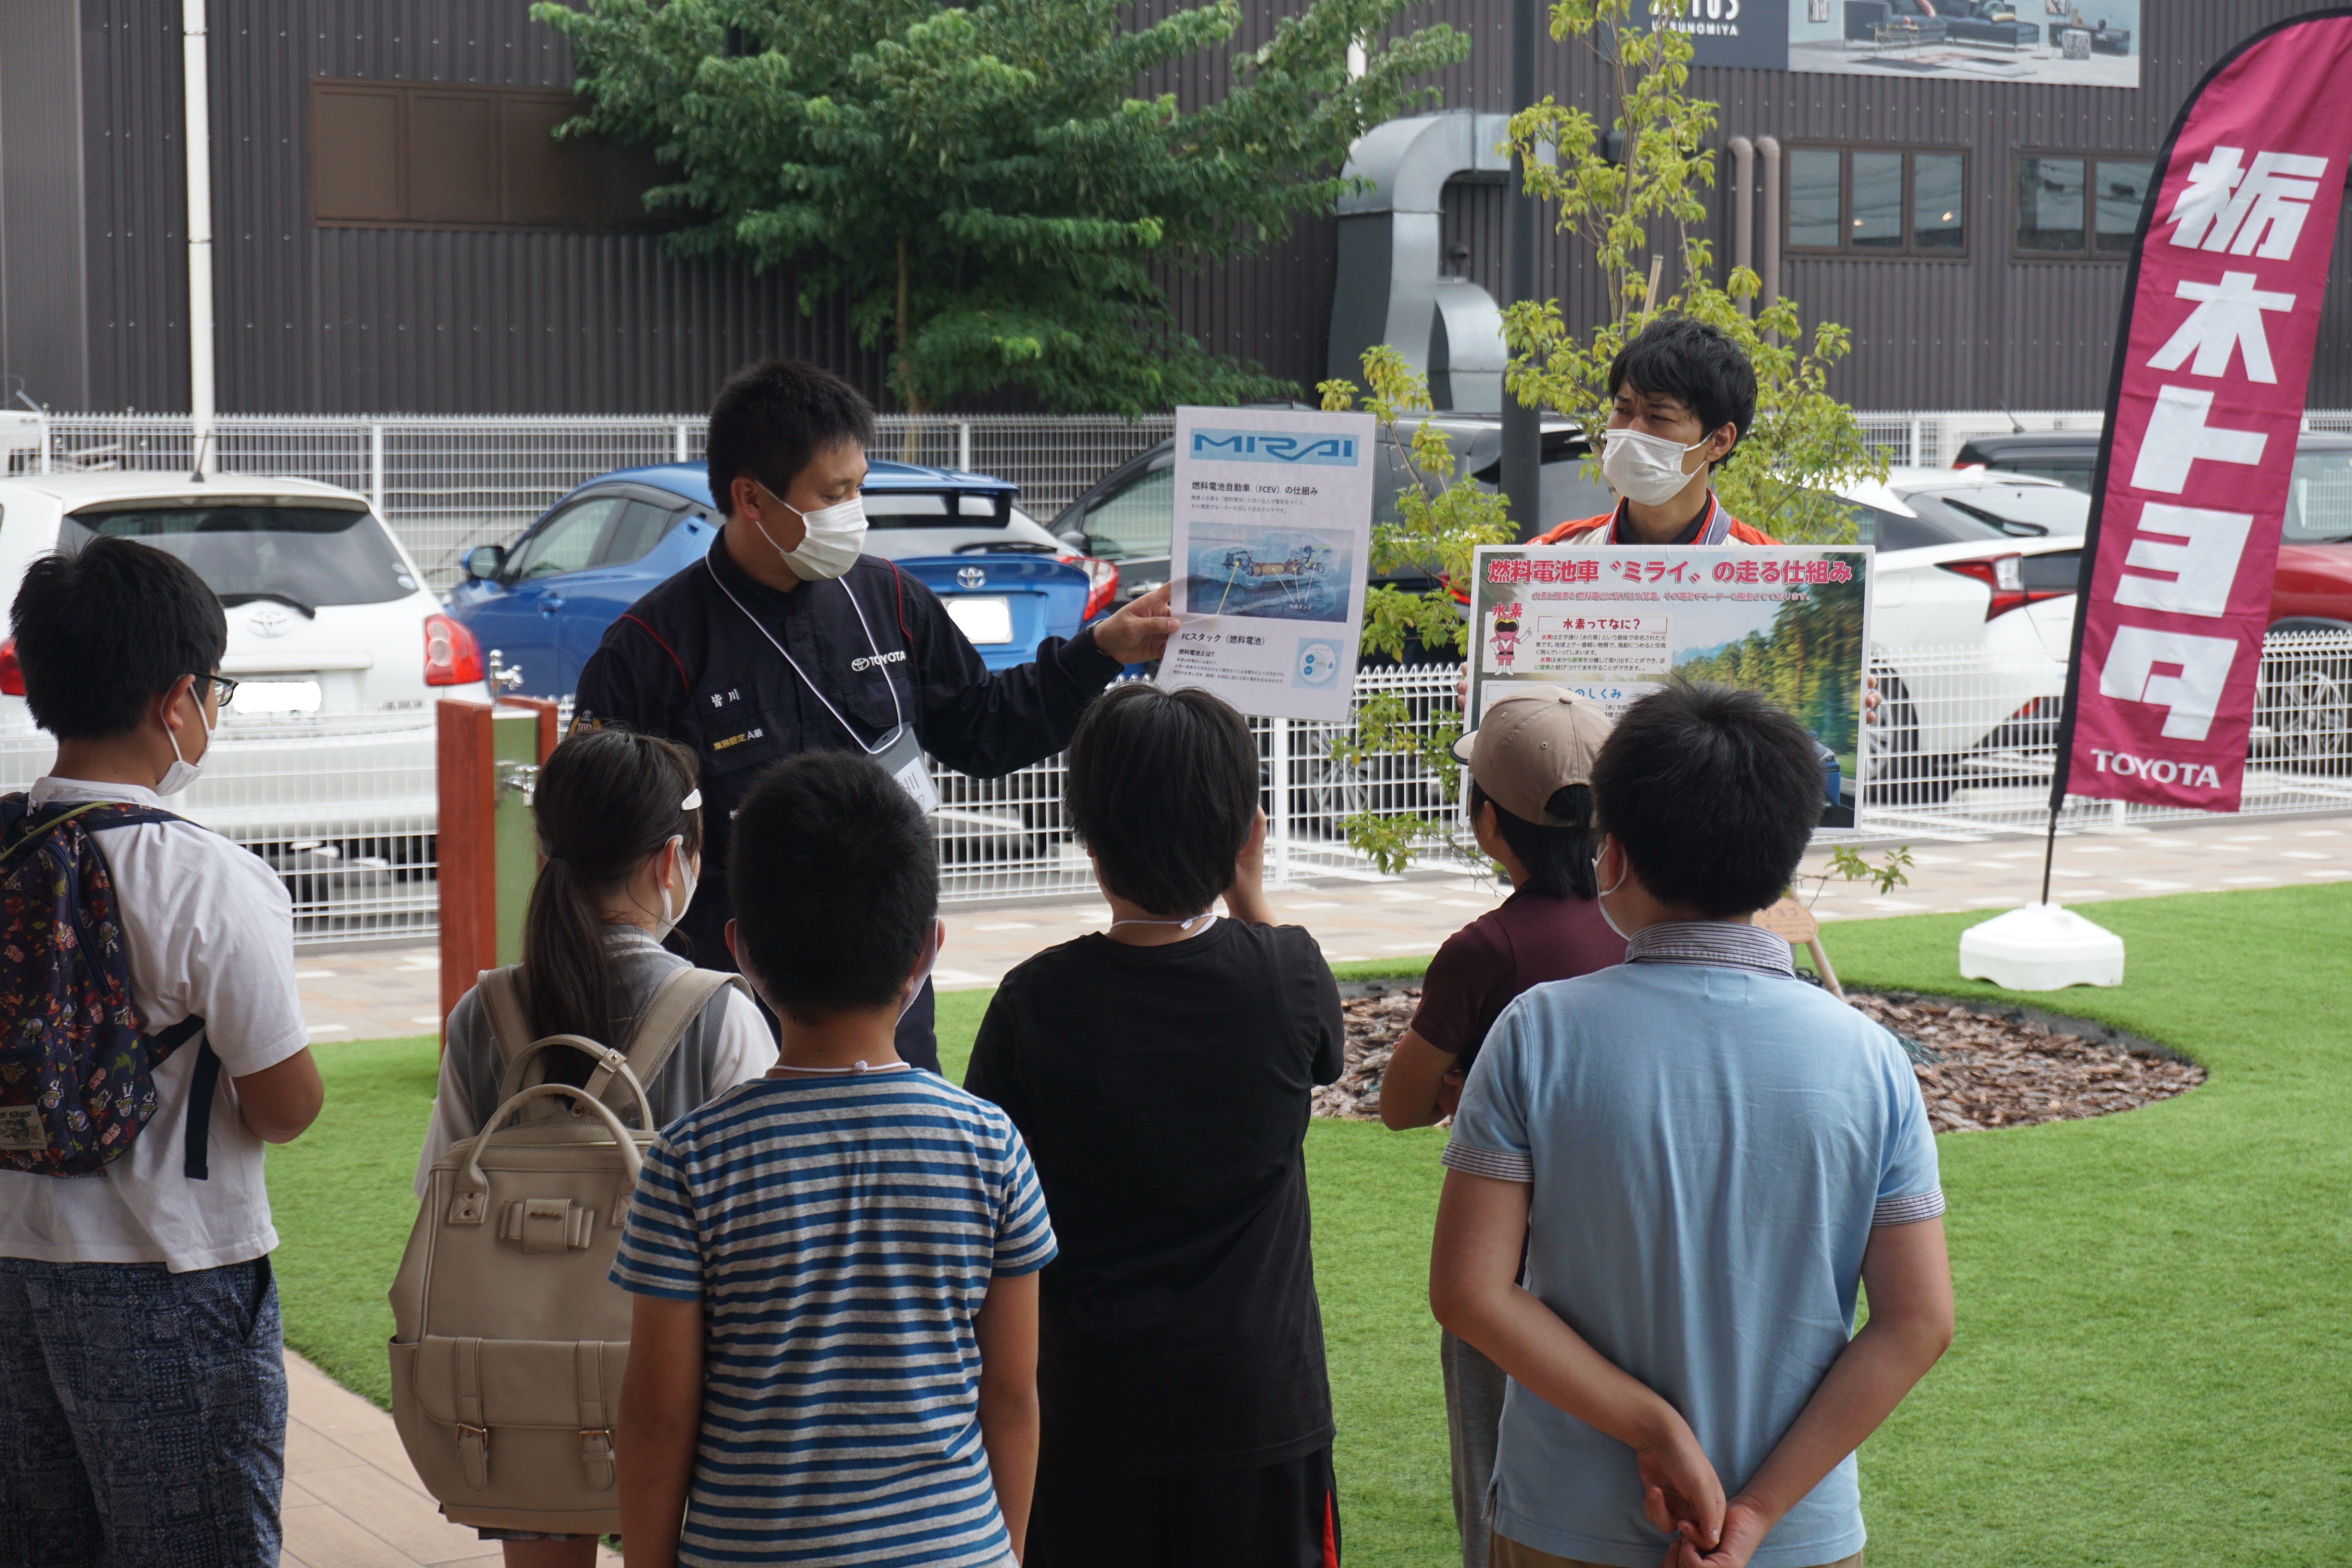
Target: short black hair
773, 419
835, 885
1558, 859
1163, 788
1678, 357
105, 630
1714, 793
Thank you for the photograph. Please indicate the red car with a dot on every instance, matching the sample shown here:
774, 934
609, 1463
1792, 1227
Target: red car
2313, 591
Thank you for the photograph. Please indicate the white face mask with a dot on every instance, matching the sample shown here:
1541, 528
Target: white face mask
1600, 894
1645, 469
183, 772
835, 537
671, 914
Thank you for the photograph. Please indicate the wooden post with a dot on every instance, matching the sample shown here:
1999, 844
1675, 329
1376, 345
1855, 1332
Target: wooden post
1792, 923
468, 852
547, 708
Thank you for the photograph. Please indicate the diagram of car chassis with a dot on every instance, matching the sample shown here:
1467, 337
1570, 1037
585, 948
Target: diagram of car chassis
1289, 575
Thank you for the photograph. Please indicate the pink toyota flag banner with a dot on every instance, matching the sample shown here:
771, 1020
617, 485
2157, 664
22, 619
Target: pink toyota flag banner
2212, 362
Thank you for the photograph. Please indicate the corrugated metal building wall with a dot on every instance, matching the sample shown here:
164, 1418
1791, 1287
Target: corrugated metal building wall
326, 319
320, 319
1928, 333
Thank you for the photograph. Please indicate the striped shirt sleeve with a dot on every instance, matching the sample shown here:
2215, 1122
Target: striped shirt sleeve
1910, 1187
1490, 1126
1909, 1210
661, 1248
1024, 1233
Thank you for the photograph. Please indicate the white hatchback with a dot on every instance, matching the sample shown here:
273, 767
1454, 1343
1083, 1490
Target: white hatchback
1972, 622
324, 760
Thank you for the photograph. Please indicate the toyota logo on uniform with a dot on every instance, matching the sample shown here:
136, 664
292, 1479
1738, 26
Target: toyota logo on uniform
971, 577
266, 621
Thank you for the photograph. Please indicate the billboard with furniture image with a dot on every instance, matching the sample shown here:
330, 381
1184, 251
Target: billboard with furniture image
2052, 43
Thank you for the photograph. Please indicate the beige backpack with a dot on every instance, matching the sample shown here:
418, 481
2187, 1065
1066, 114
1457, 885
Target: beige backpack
509, 1338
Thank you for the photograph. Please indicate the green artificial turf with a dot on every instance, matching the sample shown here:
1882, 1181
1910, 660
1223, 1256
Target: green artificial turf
1384, 968
344, 1198
2150, 1365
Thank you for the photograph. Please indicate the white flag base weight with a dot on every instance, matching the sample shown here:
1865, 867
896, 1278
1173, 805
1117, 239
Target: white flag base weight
2041, 947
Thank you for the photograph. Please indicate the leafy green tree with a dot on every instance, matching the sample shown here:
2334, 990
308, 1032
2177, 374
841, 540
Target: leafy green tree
978, 183
1618, 194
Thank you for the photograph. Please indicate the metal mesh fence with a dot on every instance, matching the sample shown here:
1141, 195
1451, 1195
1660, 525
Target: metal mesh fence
1923, 779
1933, 440
446, 485
343, 806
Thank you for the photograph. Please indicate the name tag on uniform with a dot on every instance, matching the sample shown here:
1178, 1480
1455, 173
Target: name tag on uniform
901, 757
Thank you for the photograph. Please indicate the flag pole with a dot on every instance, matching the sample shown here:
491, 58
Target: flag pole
2049, 851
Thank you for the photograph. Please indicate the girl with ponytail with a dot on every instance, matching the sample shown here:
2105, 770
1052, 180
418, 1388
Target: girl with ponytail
620, 826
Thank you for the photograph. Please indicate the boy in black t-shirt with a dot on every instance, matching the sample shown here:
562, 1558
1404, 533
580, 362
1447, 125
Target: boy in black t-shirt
1161, 1073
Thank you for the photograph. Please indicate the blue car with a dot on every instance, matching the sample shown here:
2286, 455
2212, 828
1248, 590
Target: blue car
542, 602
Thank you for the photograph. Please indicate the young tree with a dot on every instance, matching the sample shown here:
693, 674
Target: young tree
1442, 517
979, 183
1616, 193
1612, 193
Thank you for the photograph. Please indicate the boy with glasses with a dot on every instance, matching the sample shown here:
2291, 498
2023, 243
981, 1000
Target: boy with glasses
142, 1382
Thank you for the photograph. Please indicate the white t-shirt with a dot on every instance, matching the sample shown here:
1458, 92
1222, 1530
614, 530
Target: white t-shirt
207, 930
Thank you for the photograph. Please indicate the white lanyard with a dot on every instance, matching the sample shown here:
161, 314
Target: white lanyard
900, 714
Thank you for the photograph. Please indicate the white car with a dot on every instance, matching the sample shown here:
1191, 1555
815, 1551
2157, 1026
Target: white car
324, 759
1972, 621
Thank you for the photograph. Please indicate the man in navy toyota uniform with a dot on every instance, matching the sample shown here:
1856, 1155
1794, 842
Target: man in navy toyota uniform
786, 638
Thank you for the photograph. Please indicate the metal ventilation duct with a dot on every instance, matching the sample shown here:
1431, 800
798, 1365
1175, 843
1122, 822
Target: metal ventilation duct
1390, 287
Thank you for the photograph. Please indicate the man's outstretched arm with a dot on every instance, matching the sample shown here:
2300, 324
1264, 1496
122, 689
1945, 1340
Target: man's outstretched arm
1909, 1280
1474, 1289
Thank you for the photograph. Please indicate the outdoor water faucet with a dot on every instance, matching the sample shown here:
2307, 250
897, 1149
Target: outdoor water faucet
504, 677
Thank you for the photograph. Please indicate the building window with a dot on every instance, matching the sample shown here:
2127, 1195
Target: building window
441, 156
1872, 201
2078, 208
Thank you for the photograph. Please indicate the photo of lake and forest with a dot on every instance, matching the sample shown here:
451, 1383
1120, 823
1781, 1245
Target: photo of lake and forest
1611, 624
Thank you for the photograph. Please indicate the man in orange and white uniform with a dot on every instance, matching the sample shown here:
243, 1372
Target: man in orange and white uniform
1682, 394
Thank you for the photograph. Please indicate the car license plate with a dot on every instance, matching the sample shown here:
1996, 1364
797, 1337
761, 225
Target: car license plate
276, 697
983, 618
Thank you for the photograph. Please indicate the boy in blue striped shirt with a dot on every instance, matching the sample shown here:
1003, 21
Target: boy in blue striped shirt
835, 1342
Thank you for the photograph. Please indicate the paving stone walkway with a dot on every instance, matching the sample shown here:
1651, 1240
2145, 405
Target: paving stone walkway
362, 993
354, 1502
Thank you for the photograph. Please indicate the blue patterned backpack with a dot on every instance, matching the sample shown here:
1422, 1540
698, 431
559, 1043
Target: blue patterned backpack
76, 1070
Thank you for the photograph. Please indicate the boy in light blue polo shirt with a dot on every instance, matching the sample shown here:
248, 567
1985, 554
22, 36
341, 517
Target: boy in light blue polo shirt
1701, 1157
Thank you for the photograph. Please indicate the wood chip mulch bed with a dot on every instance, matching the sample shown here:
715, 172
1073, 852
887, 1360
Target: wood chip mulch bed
1978, 1065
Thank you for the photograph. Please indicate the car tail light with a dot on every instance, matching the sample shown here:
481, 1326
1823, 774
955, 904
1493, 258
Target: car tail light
1102, 578
2004, 574
452, 657
12, 674
2040, 710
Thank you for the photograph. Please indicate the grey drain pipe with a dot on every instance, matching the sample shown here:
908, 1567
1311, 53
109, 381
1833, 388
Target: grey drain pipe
1770, 147
1743, 215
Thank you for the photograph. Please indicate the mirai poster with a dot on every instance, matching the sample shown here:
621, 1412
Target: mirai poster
1615, 623
1272, 534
